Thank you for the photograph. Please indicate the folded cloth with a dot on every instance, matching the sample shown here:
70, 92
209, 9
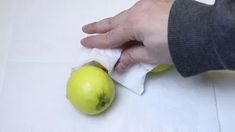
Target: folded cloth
133, 78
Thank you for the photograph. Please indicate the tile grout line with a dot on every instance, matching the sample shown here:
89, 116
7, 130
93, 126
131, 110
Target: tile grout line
216, 105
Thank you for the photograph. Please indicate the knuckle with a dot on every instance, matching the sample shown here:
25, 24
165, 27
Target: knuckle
151, 56
132, 20
109, 21
131, 24
127, 58
107, 38
143, 4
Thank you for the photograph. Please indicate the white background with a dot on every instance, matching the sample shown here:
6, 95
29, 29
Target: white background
38, 42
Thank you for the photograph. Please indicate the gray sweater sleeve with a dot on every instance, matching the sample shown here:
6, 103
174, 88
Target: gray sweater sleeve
202, 37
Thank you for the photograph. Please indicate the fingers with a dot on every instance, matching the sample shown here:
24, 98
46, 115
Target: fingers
99, 27
130, 56
114, 38
104, 25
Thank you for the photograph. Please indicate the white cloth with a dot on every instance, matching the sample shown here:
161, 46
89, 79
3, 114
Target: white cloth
133, 78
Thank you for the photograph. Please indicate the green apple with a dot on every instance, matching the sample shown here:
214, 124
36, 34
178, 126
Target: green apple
90, 89
161, 68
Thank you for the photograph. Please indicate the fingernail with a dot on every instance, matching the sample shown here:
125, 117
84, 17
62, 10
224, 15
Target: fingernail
84, 27
86, 43
83, 41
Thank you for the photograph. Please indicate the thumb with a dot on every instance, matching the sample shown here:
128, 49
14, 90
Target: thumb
131, 55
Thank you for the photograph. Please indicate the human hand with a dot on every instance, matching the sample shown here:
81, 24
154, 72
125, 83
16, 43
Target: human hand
141, 30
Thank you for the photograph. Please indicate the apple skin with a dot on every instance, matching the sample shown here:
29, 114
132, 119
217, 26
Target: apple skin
161, 68
90, 89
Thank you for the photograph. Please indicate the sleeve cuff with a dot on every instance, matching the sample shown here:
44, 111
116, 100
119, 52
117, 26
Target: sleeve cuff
189, 37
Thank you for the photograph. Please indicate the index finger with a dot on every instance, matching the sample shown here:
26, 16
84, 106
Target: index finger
105, 25
112, 39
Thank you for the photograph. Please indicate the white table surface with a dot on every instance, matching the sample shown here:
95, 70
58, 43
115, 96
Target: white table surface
38, 42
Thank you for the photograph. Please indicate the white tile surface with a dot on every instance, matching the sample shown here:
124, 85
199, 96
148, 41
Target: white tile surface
184, 102
2, 69
224, 83
33, 99
42, 38
7, 8
50, 30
